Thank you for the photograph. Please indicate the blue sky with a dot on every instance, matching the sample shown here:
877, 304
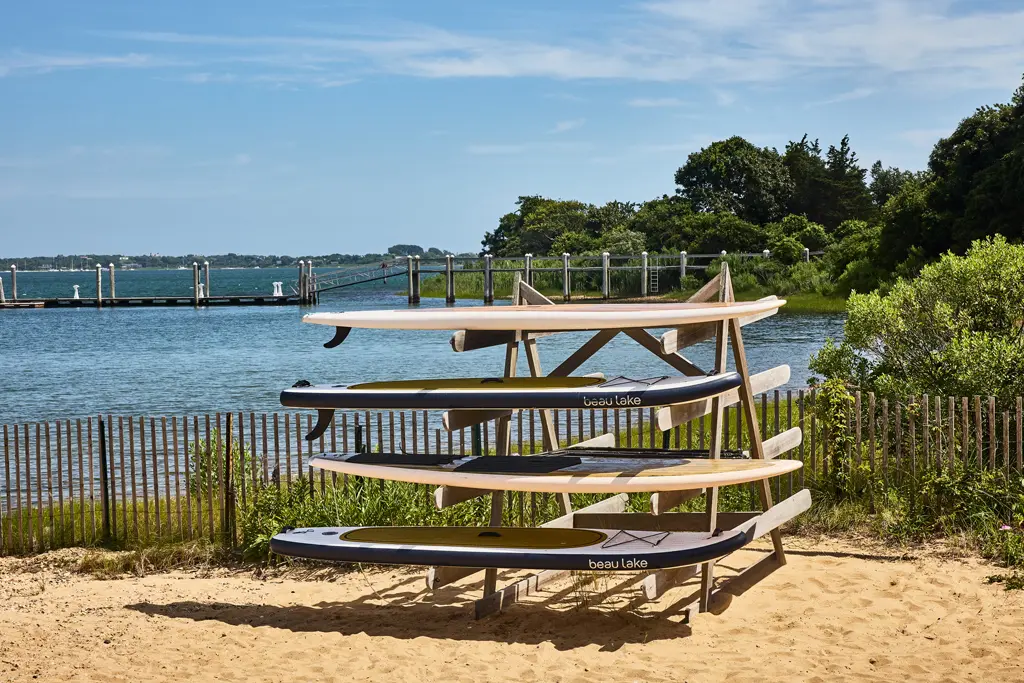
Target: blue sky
310, 127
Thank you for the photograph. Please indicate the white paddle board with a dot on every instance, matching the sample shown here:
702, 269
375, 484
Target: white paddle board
556, 473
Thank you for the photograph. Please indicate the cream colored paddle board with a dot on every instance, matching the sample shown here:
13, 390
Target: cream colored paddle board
559, 318
562, 473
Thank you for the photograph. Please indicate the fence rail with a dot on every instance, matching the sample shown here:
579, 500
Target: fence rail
141, 479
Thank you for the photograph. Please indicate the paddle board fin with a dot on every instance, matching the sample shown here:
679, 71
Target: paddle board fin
339, 336
323, 421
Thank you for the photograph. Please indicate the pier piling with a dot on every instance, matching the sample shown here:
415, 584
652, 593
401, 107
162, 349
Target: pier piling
528, 269
207, 290
416, 280
113, 291
449, 279
682, 266
195, 283
605, 284
488, 280
3, 299
14, 282
99, 286
645, 275
566, 285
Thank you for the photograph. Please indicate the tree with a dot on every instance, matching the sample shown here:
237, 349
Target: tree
736, 177
979, 177
807, 170
661, 221
406, 250
886, 182
846, 193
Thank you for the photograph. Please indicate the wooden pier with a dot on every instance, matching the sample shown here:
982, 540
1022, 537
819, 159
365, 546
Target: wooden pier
159, 301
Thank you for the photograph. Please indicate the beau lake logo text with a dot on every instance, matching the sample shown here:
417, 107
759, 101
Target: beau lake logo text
611, 401
623, 563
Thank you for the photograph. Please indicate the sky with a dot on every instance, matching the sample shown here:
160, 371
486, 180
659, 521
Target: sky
316, 127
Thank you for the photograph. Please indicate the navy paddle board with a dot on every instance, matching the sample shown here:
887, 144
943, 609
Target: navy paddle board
512, 548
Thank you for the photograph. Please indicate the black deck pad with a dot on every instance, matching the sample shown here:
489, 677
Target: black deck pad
653, 453
401, 459
518, 464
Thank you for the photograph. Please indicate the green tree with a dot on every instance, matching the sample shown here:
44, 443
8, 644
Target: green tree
886, 182
661, 221
737, 177
846, 193
406, 250
806, 168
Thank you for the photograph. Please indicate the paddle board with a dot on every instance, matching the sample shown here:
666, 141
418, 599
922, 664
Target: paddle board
504, 392
574, 549
563, 472
558, 318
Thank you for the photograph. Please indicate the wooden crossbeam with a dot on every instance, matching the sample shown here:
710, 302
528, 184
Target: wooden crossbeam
681, 337
673, 416
755, 524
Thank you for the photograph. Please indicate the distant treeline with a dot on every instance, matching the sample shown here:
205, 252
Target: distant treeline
229, 260
873, 225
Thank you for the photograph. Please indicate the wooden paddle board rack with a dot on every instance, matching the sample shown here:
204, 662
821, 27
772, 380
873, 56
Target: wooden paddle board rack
715, 321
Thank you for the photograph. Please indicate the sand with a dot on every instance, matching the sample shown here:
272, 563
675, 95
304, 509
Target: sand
837, 611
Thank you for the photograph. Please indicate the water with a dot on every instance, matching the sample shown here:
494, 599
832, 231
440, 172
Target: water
159, 361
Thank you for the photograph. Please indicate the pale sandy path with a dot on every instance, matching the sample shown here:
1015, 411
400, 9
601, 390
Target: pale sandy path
836, 612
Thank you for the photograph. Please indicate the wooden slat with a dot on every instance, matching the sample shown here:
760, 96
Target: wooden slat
1020, 428
992, 432
5, 540
885, 438
60, 481
472, 340
156, 474
977, 431
49, 484
657, 583
951, 431
671, 416
81, 478
209, 478
1006, 440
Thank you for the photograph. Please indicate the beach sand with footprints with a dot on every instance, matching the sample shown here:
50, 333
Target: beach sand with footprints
837, 611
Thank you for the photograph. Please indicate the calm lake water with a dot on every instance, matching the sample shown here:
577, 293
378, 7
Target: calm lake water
162, 361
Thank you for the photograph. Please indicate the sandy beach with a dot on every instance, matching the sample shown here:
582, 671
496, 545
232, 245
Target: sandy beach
837, 611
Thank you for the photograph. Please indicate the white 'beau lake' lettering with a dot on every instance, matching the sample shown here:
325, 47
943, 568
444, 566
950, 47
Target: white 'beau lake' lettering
611, 402
624, 563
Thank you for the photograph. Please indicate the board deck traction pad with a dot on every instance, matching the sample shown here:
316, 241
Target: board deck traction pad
516, 393
510, 547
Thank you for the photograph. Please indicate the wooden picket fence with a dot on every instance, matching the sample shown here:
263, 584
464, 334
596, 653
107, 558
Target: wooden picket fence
131, 481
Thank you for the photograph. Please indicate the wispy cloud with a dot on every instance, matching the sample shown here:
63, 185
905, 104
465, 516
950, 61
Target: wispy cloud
848, 96
653, 102
946, 44
925, 138
724, 98
495, 149
566, 126
25, 63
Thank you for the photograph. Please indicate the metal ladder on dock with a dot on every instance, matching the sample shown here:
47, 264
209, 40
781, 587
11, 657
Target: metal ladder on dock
655, 268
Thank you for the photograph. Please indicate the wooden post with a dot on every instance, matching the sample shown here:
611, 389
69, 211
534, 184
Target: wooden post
14, 282
206, 279
605, 283
195, 283
228, 518
3, 299
528, 269
104, 490
645, 275
807, 255
449, 279
113, 290
310, 283
416, 280
682, 268
566, 284
302, 282
488, 280
99, 286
